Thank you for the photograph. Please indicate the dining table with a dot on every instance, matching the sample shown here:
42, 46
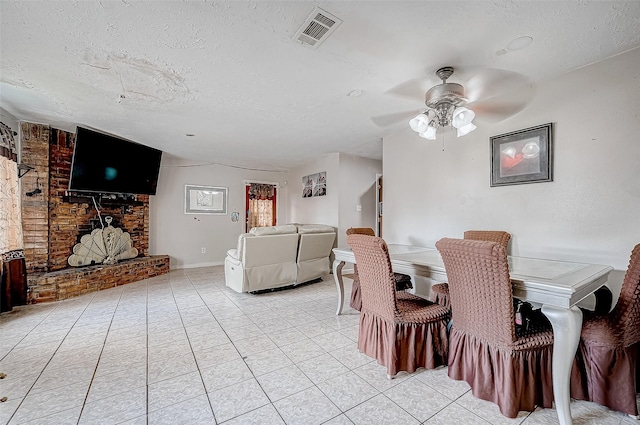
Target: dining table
556, 285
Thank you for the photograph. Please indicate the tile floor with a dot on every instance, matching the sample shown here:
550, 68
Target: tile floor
183, 349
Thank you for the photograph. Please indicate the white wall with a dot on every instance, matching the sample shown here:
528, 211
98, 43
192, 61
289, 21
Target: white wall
357, 187
317, 209
9, 120
589, 213
181, 235
350, 182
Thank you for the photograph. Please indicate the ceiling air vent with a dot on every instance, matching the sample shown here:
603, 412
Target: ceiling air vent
317, 28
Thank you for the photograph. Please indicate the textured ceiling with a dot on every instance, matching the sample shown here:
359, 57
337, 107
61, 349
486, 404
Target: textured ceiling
231, 74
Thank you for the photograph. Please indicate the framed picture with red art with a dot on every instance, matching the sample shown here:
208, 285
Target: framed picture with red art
524, 156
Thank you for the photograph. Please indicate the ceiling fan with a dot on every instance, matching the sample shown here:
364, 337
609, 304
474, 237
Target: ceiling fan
491, 94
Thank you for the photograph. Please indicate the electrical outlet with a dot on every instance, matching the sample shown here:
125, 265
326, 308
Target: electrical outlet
358, 208
204, 250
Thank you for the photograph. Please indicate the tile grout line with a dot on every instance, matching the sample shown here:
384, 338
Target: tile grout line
86, 396
48, 361
191, 346
31, 330
45, 366
302, 371
379, 392
241, 356
146, 316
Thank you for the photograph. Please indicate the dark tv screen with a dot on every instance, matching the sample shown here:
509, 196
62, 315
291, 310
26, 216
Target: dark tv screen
108, 164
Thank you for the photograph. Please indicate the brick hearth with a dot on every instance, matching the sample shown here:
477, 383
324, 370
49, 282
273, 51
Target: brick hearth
71, 282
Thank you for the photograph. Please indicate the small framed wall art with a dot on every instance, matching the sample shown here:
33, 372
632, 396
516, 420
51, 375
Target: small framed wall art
314, 185
205, 200
524, 156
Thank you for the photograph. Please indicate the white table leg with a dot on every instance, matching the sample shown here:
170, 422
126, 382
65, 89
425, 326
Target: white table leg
337, 275
567, 324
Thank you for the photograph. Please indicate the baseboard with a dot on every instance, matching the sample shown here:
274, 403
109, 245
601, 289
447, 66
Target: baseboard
197, 265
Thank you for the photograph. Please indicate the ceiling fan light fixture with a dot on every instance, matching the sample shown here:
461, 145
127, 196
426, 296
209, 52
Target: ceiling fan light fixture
462, 116
464, 130
429, 133
419, 123
446, 107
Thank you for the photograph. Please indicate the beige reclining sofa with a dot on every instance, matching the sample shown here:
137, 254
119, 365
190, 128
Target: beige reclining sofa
277, 256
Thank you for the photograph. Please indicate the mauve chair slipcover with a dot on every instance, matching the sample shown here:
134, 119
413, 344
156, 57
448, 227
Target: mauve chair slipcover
440, 295
512, 371
355, 301
606, 368
402, 332
403, 281
440, 291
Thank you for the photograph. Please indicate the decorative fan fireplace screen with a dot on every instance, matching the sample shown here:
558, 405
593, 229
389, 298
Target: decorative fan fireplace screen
103, 246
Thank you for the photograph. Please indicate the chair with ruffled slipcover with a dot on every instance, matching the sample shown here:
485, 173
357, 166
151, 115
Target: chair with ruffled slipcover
403, 333
403, 281
440, 291
509, 368
606, 369
356, 302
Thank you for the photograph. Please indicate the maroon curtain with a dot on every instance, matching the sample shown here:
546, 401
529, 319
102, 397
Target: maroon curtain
13, 280
261, 205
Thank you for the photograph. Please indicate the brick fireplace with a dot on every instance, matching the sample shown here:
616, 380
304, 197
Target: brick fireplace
54, 220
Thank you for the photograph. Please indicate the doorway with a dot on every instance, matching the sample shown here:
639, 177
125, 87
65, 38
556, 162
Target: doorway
260, 205
378, 228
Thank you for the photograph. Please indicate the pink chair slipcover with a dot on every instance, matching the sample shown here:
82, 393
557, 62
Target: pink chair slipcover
511, 370
440, 291
606, 368
404, 332
356, 302
403, 281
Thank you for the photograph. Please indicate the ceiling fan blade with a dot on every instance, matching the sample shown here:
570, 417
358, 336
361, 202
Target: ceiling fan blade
497, 94
388, 120
491, 82
413, 89
495, 113
499, 108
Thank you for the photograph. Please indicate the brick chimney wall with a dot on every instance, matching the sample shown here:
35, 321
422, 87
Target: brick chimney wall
52, 224
34, 147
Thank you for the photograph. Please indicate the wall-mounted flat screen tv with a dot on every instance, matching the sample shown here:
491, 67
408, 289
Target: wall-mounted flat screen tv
104, 163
